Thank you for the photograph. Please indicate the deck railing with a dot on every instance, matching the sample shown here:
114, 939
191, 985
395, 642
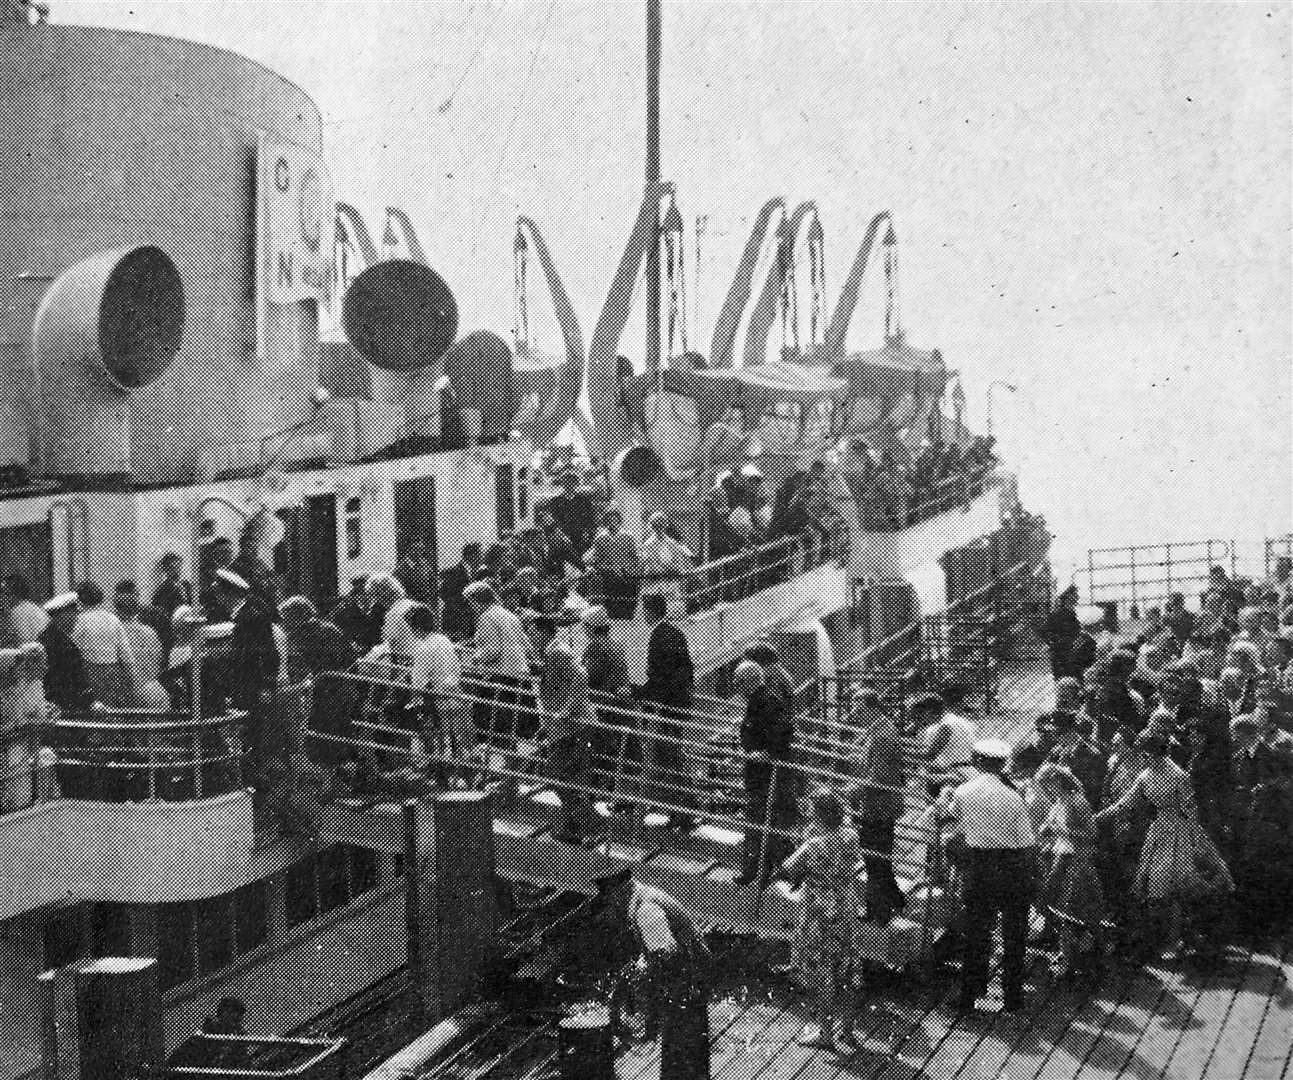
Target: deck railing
1139, 576
686, 763
121, 755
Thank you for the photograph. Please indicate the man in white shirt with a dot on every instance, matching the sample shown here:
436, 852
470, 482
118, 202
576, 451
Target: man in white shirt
99, 635
947, 740
436, 668
26, 620
501, 650
999, 868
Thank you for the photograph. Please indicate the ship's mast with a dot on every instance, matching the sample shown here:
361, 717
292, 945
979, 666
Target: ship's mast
653, 35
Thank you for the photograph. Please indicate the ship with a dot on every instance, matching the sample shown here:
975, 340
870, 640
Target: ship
166, 376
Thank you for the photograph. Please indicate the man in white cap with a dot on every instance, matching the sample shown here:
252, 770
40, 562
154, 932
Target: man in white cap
1000, 860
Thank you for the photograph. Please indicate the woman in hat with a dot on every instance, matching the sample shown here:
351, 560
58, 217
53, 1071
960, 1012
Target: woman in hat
1179, 863
1071, 887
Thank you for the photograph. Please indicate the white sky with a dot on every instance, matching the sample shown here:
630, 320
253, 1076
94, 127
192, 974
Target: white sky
1093, 200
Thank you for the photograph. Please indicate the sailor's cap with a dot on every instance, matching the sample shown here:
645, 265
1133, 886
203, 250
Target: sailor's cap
478, 589
595, 617
232, 580
61, 602
993, 749
217, 631
1090, 616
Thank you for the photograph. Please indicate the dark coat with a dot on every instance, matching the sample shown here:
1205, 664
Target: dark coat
66, 683
671, 677
767, 726
457, 619
253, 655
317, 646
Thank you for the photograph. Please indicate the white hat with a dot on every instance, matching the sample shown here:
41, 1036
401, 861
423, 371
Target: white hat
595, 617
232, 580
184, 615
751, 472
217, 631
61, 602
994, 749
477, 589
1090, 616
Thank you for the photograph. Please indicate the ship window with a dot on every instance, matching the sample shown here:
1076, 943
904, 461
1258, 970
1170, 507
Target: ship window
214, 932
302, 898
326, 881
334, 877
175, 960
250, 921
354, 528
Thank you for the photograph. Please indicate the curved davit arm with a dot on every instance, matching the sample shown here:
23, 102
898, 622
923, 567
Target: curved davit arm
612, 428
723, 347
570, 380
765, 308
837, 330
416, 251
359, 230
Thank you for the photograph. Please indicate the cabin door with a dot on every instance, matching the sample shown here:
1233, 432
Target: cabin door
306, 560
415, 508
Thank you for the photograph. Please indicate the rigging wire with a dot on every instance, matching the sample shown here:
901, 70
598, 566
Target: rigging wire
516, 113
447, 103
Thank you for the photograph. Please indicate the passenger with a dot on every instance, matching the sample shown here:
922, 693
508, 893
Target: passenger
825, 868
947, 740
606, 663
357, 617
217, 553
572, 510
261, 535
1179, 863
22, 621
172, 591
767, 734
670, 684
776, 677
1060, 630
316, 649
414, 570
501, 651
436, 669
24, 710
667, 563
389, 597
1071, 887
102, 641
563, 694
878, 803
615, 559
146, 654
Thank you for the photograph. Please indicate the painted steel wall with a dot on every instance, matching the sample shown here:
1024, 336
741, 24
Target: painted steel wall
112, 139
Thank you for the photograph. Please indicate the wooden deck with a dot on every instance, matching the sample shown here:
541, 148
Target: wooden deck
1165, 1021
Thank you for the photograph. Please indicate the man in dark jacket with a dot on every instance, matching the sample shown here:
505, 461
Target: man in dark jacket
574, 512
316, 647
767, 732
357, 617
458, 620
1061, 629
253, 666
670, 683
878, 803
66, 683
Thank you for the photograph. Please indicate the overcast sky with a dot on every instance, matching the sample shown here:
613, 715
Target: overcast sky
1093, 200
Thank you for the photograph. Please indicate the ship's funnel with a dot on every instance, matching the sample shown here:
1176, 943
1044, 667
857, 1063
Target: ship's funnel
401, 317
105, 328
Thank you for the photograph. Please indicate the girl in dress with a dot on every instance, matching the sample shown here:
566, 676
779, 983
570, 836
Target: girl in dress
1071, 886
1179, 864
826, 867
